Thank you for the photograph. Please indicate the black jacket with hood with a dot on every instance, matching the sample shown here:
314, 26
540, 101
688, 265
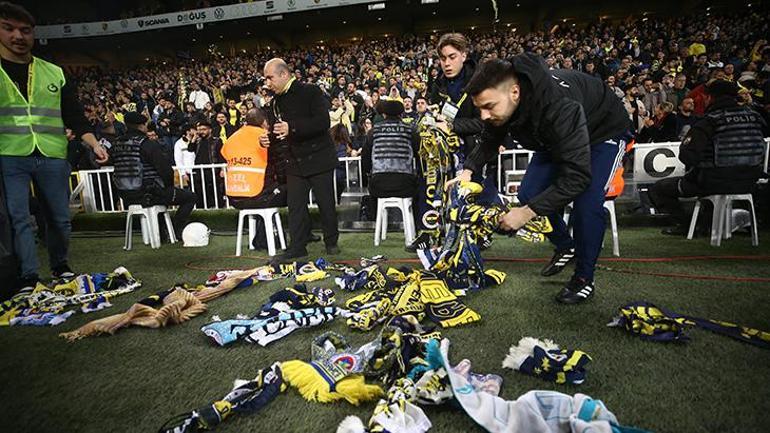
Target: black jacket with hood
562, 112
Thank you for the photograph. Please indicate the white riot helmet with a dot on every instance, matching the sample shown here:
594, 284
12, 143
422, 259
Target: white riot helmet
196, 235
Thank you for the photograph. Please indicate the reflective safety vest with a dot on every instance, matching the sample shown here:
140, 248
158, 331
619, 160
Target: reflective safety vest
33, 120
246, 162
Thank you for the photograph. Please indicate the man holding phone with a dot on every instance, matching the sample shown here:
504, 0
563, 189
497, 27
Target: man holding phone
299, 119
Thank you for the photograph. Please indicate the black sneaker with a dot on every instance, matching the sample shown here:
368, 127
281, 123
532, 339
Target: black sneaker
332, 249
576, 291
559, 261
288, 256
62, 272
422, 242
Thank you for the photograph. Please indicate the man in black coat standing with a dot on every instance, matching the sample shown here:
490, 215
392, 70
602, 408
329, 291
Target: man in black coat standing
299, 118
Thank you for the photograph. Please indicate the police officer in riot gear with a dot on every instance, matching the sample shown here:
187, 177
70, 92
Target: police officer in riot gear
723, 154
389, 152
143, 173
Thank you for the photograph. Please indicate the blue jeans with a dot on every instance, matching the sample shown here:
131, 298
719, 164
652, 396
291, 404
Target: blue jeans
587, 216
51, 178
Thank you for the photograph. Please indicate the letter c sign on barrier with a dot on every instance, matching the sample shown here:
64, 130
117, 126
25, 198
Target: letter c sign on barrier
656, 161
649, 162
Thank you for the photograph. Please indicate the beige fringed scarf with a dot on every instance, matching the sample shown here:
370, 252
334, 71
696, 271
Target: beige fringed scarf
180, 305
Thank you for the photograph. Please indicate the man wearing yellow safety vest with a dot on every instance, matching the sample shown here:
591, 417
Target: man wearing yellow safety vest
35, 105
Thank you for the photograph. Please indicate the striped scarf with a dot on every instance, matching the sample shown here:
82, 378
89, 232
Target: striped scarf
657, 324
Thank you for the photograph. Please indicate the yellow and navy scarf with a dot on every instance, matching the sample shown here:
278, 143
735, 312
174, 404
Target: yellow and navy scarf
436, 157
657, 324
246, 397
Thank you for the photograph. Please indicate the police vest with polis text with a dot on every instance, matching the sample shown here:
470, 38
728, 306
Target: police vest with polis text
132, 173
392, 148
738, 139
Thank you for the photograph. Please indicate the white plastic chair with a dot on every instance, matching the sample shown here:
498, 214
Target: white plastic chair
381, 225
272, 219
610, 206
721, 220
149, 221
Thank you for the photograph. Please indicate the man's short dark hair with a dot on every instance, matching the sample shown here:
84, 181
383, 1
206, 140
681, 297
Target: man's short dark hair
12, 11
420, 97
255, 117
490, 74
721, 88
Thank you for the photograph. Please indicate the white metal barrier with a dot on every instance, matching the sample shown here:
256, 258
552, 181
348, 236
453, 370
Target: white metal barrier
652, 162
94, 190
207, 181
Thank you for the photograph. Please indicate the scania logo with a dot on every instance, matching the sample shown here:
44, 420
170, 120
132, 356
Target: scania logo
152, 22
269, 4
219, 13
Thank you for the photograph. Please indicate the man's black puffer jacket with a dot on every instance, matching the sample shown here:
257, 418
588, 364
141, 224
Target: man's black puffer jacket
562, 112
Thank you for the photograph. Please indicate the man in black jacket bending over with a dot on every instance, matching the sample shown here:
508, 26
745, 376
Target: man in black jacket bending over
578, 129
299, 116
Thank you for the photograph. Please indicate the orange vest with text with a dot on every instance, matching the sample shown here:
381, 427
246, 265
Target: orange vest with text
246, 162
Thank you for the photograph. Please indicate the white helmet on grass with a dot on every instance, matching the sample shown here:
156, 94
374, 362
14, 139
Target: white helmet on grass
196, 235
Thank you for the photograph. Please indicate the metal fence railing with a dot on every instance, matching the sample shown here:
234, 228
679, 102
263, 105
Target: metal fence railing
93, 190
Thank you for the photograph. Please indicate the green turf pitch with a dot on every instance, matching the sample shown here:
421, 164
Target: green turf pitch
135, 380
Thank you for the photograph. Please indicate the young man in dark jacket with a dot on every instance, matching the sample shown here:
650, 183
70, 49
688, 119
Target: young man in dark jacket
299, 119
462, 120
209, 184
578, 129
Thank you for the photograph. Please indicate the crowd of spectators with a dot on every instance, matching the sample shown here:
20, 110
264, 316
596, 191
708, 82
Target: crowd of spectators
657, 66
